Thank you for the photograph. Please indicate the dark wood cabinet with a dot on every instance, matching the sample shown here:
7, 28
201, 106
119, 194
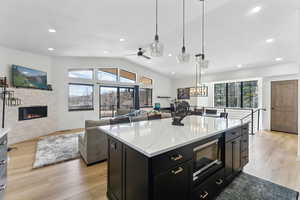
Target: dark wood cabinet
115, 168
174, 183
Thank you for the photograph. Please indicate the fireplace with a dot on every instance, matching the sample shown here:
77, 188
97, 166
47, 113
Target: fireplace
34, 112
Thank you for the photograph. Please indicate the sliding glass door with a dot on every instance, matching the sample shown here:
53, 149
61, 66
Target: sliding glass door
108, 101
114, 98
126, 98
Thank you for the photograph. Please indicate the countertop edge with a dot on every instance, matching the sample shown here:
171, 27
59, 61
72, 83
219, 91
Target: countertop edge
3, 132
170, 148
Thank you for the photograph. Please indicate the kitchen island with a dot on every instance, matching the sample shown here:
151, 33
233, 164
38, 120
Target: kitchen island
155, 160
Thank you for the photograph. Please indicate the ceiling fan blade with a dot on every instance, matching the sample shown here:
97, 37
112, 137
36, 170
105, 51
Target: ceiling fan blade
132, 54
147, 57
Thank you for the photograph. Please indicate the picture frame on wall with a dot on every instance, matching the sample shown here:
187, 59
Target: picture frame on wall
183, 93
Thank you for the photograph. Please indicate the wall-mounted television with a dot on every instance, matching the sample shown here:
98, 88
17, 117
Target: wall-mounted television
24, 77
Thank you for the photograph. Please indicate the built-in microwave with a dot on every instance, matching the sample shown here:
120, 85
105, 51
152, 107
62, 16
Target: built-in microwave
208, 158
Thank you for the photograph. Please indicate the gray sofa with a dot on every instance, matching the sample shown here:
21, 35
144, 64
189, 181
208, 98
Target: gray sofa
93, 144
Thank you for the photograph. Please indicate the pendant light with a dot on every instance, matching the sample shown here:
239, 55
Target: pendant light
157, 48
201, 63
183, 57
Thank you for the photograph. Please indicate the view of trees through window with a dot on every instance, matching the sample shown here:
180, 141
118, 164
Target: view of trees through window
236, 94
145, 97
114, 98
80, 97
220, 95
250, 94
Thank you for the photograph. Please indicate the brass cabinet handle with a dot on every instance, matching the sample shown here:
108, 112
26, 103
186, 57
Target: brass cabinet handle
180, 169
2, 162
2, 188
219, 181
176, 158
204, 195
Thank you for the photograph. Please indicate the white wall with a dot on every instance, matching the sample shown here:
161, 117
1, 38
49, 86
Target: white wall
23, 130
162, 86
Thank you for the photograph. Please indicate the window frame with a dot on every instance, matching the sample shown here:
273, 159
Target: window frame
82, 69
240, 94
81, 109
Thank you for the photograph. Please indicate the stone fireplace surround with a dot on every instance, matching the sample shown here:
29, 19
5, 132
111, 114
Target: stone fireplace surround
28, 129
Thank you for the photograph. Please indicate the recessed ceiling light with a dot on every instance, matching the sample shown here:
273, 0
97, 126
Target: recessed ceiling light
270, 40
172, 73
170, 54
51, 49
239, 66
105, 52
279, 59
149, 62
255, 10
51, 30
122, 39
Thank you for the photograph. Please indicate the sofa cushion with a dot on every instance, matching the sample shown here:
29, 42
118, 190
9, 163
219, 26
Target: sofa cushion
94, 123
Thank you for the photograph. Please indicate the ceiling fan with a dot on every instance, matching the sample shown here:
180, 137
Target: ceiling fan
140, 53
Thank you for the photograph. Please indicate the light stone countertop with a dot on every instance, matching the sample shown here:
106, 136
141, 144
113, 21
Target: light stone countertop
155, 137
3, 132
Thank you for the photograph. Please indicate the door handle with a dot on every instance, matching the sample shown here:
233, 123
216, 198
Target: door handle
219, 181
179, 170
176, 158
2, 188
204, 195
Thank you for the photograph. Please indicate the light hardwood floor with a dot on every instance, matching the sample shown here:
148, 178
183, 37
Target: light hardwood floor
272, 157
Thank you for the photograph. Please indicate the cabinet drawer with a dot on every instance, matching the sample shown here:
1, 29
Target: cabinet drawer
174, 183
170, 159
245, 129
232, 134
211, 187
3, 172
2, 190
245, 143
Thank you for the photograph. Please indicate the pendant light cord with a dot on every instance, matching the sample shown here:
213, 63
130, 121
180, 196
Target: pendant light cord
203, 32
156, 20
183, 22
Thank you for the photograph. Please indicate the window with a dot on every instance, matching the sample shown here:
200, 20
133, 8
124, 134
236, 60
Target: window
145, 97
146, 81
107, 74
250, 94
220, 95
81, 73
127, 77
80, 97
234, 95
237, 94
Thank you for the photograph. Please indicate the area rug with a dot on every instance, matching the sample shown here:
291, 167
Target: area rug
55, 149
247, 187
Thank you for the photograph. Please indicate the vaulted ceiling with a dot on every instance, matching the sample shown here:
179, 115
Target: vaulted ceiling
94, 28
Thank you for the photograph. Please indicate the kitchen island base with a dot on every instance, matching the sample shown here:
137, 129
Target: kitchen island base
174, 174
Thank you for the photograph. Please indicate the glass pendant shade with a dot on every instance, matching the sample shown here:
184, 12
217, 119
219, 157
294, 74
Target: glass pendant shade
183, 57
202, 63
156, 48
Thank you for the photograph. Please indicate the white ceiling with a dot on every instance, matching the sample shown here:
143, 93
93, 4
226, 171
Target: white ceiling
88, 28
